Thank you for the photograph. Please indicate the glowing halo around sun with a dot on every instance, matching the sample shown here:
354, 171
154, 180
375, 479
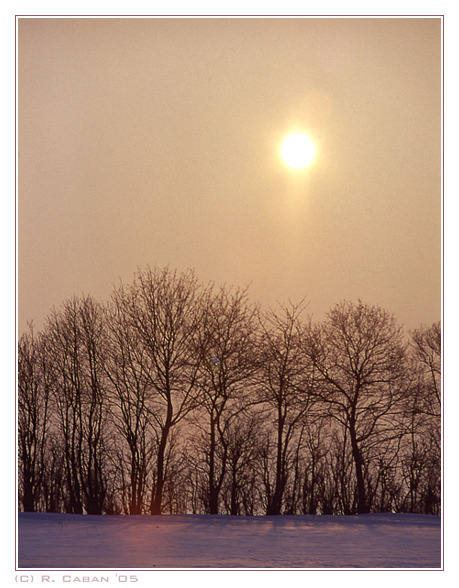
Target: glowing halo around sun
298, 150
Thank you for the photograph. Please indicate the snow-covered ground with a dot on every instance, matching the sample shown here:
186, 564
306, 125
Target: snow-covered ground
375, 541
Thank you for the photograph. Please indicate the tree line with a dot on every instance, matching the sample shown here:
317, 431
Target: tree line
178, 397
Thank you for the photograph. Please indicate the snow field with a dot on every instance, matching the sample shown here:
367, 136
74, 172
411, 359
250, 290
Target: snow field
375, 541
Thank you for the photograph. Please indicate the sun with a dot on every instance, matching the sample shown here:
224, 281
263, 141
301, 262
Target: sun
298, 150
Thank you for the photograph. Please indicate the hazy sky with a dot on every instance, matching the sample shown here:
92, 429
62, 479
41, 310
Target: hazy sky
157, 141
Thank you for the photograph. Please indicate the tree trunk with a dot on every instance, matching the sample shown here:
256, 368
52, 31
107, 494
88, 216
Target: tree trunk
213, 489
234, 509
274, 507
362, 502
28, 501
157, 497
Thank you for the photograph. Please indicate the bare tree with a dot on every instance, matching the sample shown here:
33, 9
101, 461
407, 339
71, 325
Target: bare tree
284, 383
176, 397
226, 343
240, 491
359, 356
33, 419
130, 395
312, 445
162, 309
426, 353
73, 345
421, 460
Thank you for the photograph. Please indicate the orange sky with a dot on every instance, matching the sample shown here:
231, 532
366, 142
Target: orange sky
157, 141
